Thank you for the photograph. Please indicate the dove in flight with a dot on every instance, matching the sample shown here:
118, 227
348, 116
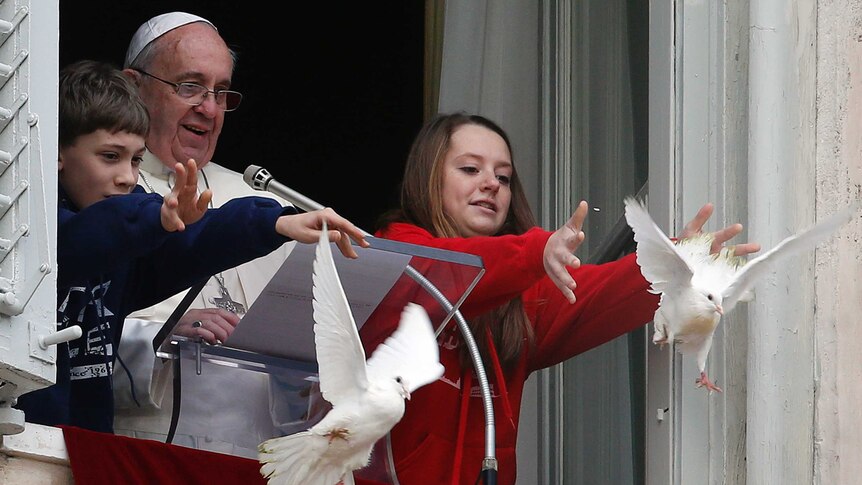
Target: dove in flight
697, 287
367, 398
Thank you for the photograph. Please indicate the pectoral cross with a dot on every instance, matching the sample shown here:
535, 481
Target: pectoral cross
225, 301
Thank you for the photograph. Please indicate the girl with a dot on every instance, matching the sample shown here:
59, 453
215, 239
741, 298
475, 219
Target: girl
461, 192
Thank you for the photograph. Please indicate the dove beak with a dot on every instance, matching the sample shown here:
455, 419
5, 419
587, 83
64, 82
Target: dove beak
719, 309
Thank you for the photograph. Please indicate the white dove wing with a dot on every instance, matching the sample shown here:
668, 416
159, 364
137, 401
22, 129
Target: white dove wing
340, 357
660, 261
763, 264
410, 352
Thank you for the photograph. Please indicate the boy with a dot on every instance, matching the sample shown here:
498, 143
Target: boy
119, 254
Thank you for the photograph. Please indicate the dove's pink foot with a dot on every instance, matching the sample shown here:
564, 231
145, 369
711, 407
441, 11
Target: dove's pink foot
338, 433
704, 381
660, 341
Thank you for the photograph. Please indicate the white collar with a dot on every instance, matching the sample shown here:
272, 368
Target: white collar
153, 166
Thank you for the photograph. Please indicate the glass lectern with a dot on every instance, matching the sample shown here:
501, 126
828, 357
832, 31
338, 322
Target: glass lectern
276, 337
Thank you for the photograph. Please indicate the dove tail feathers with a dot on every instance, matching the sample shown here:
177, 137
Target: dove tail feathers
283, 461
296, 460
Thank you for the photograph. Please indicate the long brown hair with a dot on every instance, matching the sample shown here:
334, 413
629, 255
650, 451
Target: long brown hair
422, 205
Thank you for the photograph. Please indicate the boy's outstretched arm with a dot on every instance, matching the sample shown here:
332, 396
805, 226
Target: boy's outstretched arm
183, 205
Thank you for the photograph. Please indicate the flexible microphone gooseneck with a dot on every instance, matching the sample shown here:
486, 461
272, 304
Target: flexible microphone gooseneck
259, 178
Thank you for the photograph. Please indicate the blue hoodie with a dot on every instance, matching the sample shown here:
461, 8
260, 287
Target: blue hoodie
114, 258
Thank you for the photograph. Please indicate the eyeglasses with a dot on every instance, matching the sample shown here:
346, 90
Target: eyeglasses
195, 94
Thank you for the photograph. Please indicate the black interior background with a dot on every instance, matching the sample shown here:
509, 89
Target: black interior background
332, 90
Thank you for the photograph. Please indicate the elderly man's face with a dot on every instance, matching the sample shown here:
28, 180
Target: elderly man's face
191, 53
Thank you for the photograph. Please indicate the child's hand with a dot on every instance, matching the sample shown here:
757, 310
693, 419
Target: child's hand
695, 227
305, 228
560, 249
183, 205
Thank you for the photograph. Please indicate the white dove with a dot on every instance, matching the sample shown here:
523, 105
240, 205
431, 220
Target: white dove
367, 398
697, 287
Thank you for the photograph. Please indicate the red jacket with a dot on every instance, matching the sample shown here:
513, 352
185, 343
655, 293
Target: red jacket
441, 438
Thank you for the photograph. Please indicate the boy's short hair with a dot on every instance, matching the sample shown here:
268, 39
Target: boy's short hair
95, 95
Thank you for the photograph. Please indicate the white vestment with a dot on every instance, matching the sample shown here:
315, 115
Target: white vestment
224, 409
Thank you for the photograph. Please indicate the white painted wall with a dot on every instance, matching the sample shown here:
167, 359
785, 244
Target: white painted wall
838, 266
35, 457
800, 156
781, 147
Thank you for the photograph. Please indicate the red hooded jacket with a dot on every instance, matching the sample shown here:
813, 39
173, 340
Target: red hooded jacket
441, 438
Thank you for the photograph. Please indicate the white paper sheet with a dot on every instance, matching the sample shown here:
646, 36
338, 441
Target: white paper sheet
280, 321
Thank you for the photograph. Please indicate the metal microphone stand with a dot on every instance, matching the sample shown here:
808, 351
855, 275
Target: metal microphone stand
489, 464
259, 178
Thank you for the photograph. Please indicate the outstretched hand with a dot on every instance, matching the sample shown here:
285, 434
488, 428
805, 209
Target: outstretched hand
559, 252
306, 227
695, 227
183, 205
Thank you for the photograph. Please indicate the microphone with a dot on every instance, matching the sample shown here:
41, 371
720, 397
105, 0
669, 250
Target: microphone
259, 178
